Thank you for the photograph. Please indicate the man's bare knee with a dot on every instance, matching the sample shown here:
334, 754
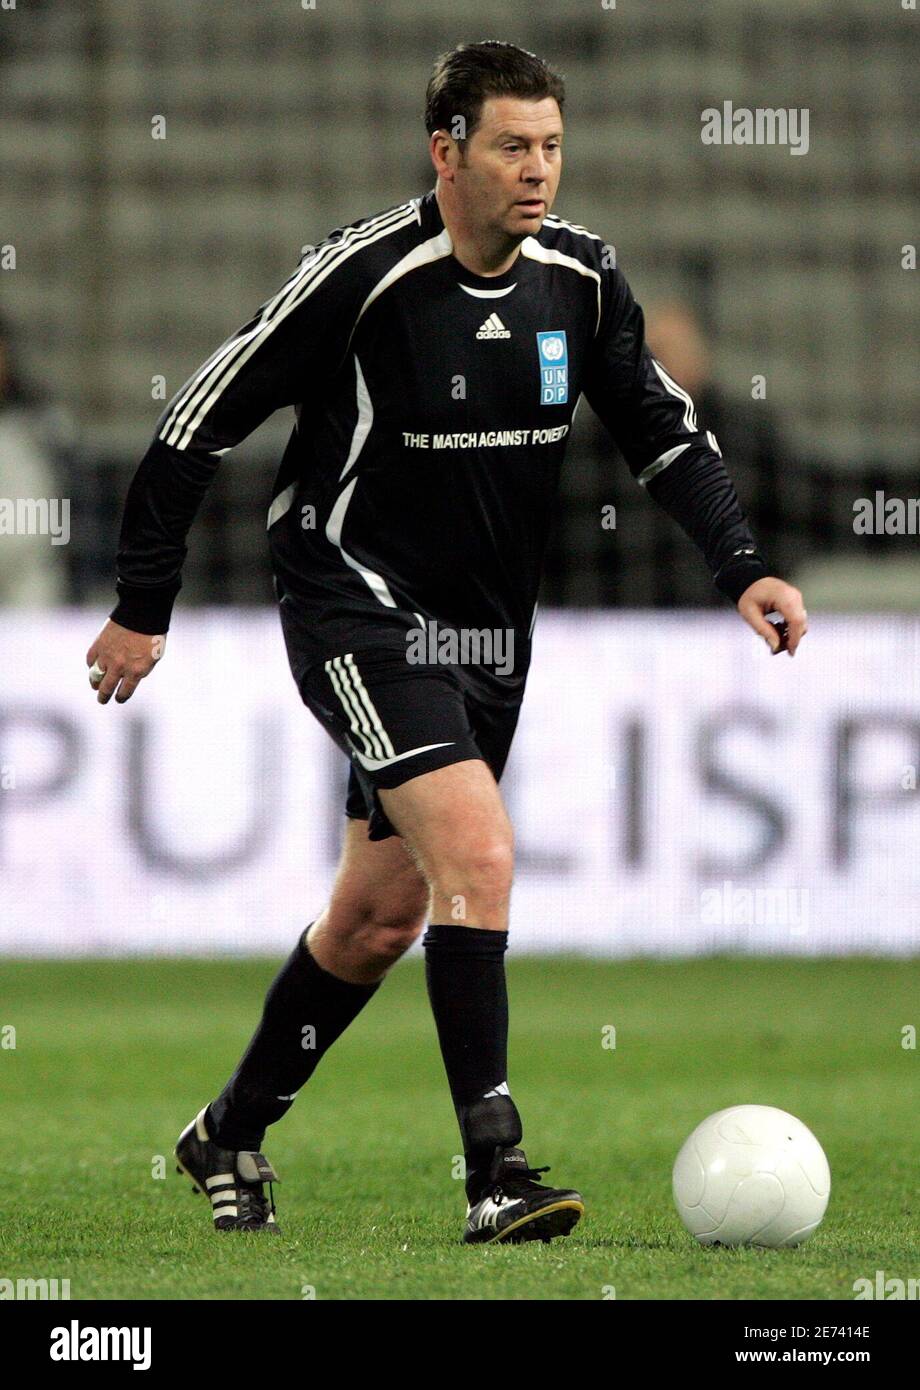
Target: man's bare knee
458, 829
388, 928
360, 940
480, 868
378, 908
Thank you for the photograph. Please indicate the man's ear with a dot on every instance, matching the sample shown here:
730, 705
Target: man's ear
439, 149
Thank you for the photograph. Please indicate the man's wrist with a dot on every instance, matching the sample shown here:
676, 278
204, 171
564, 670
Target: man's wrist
142, 609
738, 575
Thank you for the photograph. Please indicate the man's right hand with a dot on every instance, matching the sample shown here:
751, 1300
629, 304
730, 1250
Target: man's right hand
120, 659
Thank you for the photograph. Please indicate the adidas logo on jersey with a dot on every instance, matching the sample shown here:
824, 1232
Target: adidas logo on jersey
493, 328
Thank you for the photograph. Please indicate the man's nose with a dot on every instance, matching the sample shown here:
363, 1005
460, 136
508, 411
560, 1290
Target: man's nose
536, 168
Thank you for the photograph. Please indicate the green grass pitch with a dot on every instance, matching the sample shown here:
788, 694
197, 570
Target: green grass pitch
113, 1058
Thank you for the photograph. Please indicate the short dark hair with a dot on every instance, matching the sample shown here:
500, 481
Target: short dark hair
464, 77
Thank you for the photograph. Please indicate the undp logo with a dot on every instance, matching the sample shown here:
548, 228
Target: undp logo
553, 357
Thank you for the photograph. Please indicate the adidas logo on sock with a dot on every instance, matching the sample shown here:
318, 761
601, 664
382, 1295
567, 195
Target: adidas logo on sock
500, 1090
493, 328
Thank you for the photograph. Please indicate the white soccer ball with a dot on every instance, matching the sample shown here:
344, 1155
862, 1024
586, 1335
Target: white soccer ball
751, 1175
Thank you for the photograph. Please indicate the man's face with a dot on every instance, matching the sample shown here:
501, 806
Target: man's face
508, 177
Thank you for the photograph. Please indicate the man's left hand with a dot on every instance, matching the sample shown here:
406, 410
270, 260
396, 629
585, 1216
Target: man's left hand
771, 595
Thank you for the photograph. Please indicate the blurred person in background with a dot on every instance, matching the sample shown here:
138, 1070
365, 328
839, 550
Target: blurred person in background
33, 569
745, 428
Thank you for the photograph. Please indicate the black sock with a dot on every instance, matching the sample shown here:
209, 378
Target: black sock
465, 974
283, 1055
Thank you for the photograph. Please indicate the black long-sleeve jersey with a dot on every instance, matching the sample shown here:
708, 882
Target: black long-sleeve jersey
432, 411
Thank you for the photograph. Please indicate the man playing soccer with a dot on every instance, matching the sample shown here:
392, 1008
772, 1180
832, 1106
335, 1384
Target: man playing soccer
435, 355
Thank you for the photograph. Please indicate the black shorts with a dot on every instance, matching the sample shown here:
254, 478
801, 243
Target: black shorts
395, 720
